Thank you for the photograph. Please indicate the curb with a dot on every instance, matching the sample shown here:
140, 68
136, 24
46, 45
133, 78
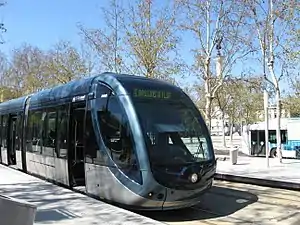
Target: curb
258, 181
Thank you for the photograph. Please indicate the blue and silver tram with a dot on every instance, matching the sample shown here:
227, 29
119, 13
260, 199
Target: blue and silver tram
137, 142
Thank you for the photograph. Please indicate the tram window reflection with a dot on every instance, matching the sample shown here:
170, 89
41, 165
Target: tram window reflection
91, 142
62, 131
117, 136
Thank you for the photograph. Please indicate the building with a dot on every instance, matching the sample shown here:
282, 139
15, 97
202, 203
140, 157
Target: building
272, 113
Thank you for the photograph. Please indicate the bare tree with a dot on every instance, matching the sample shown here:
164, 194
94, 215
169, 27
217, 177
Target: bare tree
107, 42
216, 24
272, 21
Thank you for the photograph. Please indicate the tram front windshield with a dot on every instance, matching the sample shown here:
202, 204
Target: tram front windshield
173, 133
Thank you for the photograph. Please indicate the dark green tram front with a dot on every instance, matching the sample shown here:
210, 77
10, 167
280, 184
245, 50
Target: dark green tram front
154, 152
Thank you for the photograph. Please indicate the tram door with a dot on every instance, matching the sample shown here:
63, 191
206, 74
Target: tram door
76, 146
11, 148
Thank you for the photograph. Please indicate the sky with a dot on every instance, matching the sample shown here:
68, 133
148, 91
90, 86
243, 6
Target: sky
43, 23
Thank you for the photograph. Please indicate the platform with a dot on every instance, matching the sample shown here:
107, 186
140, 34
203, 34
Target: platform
254, 170
61, 206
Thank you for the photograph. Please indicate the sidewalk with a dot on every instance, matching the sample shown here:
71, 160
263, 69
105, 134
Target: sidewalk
61, 206
254, 170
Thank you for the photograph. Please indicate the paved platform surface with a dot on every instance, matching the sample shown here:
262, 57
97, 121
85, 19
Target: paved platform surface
61, 206
238, 204
285, 174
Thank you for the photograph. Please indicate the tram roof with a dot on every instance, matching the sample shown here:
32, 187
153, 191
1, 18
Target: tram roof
64, 92
13, 105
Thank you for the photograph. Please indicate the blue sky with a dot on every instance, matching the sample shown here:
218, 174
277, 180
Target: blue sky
43, 23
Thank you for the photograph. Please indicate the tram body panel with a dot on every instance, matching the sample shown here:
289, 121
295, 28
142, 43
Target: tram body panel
103, 183
19, 163
55, 169
36, 164
4, 155
61, 171
184, 198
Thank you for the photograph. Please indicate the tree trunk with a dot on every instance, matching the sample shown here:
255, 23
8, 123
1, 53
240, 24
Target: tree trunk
208, 112
231, 130
231, 133
207, 94
223, 131
278, 117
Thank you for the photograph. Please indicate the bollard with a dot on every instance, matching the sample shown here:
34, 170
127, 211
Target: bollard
16, 212
233, 156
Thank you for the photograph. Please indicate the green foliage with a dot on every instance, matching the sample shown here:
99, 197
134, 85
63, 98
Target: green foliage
292, 104
137, 39
241, 99
31, 69
64, 63
151, 39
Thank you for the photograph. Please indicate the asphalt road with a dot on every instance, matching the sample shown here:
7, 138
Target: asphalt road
234, 203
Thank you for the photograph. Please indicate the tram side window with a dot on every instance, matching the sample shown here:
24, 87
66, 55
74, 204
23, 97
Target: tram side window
91, 146
62, 133
1, 130
49, 134
18, 132
118, 138
4, 131
34, 132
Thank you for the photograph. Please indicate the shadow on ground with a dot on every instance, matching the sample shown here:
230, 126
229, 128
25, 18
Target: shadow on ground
218, 202
58, 205
51, 200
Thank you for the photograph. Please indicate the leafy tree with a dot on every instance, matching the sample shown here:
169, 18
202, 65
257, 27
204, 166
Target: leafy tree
241, 100
151, 39
26, 73
138, 39
65, 63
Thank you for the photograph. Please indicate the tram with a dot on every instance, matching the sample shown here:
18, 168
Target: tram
137, 142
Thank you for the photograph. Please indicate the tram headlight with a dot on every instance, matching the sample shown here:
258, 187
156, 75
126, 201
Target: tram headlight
194, 178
